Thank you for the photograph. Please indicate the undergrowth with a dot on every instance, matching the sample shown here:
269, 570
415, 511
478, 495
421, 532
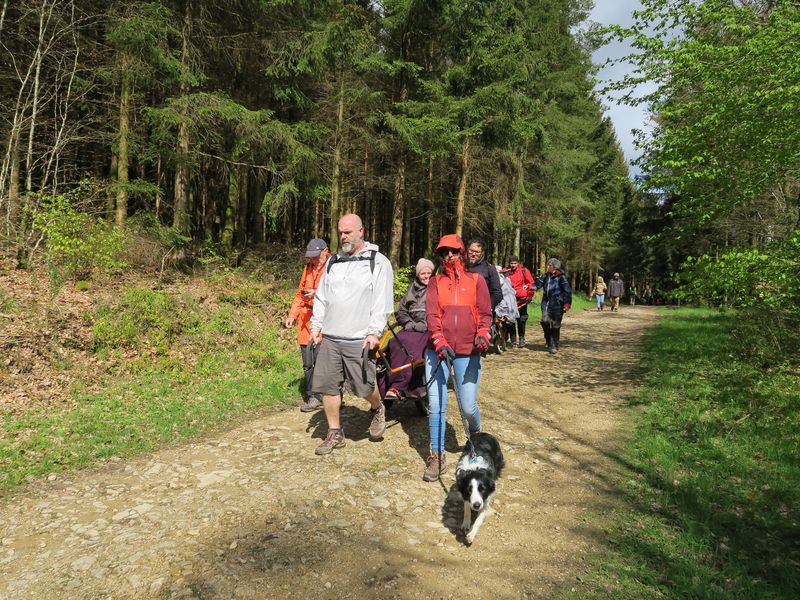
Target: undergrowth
170, 365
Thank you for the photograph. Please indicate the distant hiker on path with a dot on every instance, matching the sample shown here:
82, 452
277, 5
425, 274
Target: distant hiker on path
353, 303
556, 301
599, 292
616, 290
300, 312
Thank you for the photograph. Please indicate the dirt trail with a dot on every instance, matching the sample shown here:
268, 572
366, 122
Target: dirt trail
252, 513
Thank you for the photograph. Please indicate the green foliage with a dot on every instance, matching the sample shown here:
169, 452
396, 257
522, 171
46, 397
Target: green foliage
76, 244
141, 317
768, 277
403, 278
725, 93
712, 473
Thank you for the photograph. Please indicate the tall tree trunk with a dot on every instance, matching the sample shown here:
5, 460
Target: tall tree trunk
336, 183
14, 207
121, 212
398, 210
431, 206
462, 186
180, 218
231, 209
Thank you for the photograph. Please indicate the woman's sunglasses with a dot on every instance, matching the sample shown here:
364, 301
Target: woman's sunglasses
446, 251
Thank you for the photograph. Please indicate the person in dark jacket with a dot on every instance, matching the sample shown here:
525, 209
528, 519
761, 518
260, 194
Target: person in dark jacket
476, 260
522, 282
616, 290
410, 343
459, 314
556, 300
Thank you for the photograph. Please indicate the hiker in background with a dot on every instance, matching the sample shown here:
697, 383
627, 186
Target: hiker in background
599, 292
409, 344
506, 313
556, 301
616, 290
648, 295
459, 314
476, 263
300, 313
353, 302
522, 282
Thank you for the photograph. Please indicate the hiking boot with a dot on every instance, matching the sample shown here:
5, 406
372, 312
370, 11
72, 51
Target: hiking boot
378, 425
522, 342
311, 404
553, 350
334, 439
434, 466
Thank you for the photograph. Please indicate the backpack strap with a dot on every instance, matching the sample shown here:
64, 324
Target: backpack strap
342, 259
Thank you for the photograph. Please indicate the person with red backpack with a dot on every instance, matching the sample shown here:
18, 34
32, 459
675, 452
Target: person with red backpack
459, 315
522, 282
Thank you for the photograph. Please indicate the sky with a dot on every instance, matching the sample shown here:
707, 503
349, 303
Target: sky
625, 118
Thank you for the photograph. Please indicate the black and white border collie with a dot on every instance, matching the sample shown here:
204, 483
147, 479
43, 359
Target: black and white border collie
476, 472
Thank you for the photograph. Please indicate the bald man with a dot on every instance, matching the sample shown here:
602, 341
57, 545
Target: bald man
353, 302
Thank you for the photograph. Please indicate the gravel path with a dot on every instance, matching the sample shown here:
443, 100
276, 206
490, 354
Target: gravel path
252, 513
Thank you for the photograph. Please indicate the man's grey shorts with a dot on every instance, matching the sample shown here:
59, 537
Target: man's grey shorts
340, 362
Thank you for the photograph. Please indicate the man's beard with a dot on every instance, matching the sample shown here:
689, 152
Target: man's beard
348, 247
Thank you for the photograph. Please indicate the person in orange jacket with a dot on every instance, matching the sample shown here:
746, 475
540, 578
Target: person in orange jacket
300, 312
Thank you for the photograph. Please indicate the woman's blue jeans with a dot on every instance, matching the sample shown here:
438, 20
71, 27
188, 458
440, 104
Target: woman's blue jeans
467, 378
601, 298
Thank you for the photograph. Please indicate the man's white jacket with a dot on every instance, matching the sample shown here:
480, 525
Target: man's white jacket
353, 300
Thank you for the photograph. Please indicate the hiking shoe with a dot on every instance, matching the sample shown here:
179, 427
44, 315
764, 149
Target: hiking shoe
522, 342
434, 466
311, 404
552, 350
334, 439
378, 425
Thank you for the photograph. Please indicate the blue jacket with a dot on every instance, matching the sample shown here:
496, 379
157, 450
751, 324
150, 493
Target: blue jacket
557, 291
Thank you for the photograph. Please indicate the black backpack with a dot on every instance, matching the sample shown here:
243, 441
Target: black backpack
342, 259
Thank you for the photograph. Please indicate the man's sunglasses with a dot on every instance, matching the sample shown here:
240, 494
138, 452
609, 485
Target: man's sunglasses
446, 251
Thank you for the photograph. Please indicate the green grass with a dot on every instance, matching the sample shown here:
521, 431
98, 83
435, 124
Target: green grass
710, 481
161, 404
171, 369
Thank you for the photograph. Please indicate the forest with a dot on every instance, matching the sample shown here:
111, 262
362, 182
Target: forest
225, 127
189, 130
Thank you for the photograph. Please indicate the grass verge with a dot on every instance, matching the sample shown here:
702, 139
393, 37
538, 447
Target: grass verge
710, 490
140, 413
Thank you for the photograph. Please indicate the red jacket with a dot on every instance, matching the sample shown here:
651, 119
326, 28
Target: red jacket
522, 282
458, 308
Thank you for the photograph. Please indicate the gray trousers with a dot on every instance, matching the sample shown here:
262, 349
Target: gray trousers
309, 353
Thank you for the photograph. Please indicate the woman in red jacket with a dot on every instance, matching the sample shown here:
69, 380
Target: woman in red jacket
459, 315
